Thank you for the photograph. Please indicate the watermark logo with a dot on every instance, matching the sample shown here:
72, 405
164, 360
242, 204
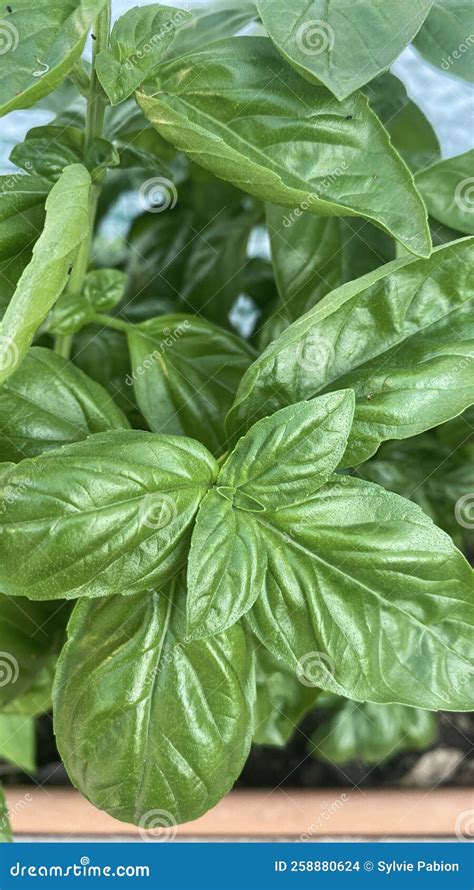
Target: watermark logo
157, 825
315, 37
157, 195
464, 826
9, 37
327, 811
9, 669
464, 47
464, 195
169, 338
464, 510
8, 353
313, 667
316, 354
157, 511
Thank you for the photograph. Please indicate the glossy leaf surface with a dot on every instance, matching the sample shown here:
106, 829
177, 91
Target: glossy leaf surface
235, 107
365, 597
138, 41
283, 460
149, 725
41, 44
185, 374
395, 336
448, 190
108, 515
342, 45
51, 264
48, 403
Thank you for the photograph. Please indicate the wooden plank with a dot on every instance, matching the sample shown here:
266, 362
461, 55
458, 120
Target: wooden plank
281, 813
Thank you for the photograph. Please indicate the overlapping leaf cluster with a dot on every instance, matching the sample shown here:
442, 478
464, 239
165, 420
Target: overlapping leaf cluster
231, 462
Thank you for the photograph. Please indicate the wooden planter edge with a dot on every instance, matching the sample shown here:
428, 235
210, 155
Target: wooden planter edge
297, 814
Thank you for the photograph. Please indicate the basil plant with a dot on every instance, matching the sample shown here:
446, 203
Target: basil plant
235, 382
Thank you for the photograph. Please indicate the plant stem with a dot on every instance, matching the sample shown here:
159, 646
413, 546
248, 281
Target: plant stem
96, 105
80, 79
97, 102
112, 322
62, 345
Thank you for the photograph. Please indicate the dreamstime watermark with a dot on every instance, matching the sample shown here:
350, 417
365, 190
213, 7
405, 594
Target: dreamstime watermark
166, 659
315, 37
9, 37
327, 811
313, 668
316, 354
464, 826
457, 53
157, 825
9, 494
464, 195
11, 181
179, 19
13, 811
9, 669
170, 336
157, 511
464, 510
157, 195
8, 353
314, 197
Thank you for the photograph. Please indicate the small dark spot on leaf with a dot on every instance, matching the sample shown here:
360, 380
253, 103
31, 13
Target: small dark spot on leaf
69, 270
9, 9
93, 36
370, 397
349, 117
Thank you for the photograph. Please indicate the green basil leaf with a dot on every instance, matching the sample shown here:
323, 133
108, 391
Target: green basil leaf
397, 337
341, 45
410, 132
446, 38
110, 514
372, 733
282, 700
185, 372
367, 598
48, 403
31, 636
103, 290
214, 22
138, 42
21, 221
42, 45
17, 741
434, 470
312, 256
284, 459
182, 711
37, 699
5, 827
448, 190
341, 162
65, 229
103, 355
47, 150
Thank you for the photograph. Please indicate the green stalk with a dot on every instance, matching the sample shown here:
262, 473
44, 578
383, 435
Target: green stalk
96, 105
97, 101
112, 322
